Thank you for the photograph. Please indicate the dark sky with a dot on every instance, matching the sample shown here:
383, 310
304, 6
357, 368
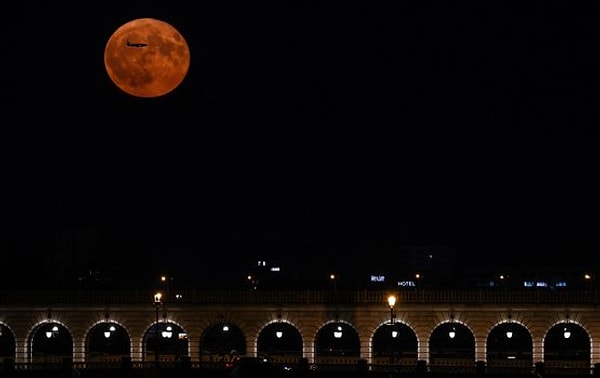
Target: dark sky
308, 132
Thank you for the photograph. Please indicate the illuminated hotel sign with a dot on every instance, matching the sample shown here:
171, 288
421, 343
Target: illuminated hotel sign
375, 278
379, 278
407, 283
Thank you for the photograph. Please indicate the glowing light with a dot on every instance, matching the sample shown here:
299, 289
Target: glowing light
452, 333
338, 332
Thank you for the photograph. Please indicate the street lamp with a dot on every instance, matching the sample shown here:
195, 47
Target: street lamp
333, 279
566, 333
509, 331
278, 329
392, 302
452, 332
566, 330
52, 333
167, 333
166, 282
338, 332
109, 331
157, 306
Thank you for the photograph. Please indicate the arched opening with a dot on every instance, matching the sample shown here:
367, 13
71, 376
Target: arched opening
221, 343
509, 349
394, 344
107, 343
452, 347
165, 342
567, 348
280, 342
338, 343
51, 343
7, 343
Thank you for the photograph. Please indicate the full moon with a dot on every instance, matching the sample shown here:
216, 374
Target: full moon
147, 57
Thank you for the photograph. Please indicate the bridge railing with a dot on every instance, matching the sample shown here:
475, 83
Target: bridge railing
16, 297
450, 368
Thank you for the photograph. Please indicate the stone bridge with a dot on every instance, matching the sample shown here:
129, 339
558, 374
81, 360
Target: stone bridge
488, 328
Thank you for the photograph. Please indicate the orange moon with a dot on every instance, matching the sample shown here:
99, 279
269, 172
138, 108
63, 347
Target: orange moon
147, 57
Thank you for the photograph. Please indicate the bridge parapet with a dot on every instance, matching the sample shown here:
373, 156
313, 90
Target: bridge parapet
484, 296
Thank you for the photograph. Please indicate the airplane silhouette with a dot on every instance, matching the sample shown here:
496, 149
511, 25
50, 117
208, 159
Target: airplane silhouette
136, 44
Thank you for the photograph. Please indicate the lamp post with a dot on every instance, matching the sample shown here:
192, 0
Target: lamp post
157, 306
333, 279
509, 330
566, 330
391, 300
167, 284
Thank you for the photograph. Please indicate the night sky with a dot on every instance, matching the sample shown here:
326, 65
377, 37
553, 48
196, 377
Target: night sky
321, 135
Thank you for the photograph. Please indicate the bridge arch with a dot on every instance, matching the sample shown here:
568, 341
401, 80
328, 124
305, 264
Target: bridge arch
50, 342
452, 342
280, 341
220, 340
509, 344
107, 341
567, 344
165, 341
8, 345
394, 343
337, 340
